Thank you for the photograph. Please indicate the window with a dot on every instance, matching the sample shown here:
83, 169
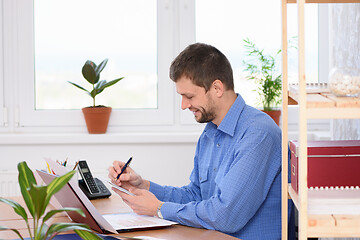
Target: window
142, 98
225, 24
3, 110
123, 31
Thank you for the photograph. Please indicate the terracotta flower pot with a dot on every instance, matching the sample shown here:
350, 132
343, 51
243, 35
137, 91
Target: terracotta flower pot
275, 115
97, 119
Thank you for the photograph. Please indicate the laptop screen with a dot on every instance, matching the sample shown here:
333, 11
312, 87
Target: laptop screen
67, 197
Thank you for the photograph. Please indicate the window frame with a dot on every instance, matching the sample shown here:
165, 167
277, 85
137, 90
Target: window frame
4, 115
163, 115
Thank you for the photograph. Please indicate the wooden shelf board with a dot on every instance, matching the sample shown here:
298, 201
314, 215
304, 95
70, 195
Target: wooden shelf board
326, 1
335, 231
329, 225
292, 101
333, 113
343, 102
325, 99
294, 196
330, 201
314, 100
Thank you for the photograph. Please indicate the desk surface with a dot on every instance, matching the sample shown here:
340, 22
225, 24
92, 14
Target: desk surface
10, 219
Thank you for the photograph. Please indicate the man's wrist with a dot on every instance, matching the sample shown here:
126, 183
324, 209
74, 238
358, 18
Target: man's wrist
158, 211
145, 184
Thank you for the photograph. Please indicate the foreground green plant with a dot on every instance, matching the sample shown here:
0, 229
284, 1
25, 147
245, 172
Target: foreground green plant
91, 73
262, 69
37, 199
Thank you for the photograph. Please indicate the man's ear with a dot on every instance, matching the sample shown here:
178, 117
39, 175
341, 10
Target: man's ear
218, 87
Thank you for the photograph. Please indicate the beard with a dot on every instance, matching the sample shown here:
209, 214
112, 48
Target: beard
206, 116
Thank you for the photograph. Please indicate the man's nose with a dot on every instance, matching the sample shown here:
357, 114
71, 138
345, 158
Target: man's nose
185, 103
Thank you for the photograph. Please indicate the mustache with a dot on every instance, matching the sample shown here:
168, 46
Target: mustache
192, 109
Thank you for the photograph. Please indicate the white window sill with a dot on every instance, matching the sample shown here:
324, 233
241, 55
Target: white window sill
84, 138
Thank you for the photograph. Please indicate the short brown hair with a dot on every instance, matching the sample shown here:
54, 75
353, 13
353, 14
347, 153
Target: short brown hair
203, 64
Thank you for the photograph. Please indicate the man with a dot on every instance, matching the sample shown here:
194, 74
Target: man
235, 186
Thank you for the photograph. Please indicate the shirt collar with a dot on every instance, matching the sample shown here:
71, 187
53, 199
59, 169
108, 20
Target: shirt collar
228, 124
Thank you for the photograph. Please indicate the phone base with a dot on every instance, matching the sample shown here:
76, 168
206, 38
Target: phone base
104, 192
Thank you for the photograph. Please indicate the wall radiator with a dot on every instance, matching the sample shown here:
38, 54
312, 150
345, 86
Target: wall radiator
9, 184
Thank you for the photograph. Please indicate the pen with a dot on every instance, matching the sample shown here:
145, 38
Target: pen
75, 165
124, 167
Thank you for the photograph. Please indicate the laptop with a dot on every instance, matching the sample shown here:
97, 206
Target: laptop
72, 196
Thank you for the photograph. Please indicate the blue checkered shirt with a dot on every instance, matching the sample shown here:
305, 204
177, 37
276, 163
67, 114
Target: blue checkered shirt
235, 186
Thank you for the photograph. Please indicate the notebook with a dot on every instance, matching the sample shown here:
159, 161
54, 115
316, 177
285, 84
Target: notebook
72, 196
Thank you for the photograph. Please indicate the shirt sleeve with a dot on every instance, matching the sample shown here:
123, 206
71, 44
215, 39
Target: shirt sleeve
240, 193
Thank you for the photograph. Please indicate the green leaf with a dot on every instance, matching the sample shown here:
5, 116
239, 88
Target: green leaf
108, 84
112, 82
78, 86
89, 72
94, 92
87, 235
63, 227
101, 66
12, 229
262, 69
42, 231
38, 195
99, 86
53, 212
17, 208
26, 179
57, 184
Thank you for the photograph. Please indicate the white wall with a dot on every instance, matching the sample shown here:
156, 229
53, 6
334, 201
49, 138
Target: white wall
163, 158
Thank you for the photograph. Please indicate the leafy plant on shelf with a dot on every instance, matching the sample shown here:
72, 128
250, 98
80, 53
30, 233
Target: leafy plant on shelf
91, 73
262, 69
37, 199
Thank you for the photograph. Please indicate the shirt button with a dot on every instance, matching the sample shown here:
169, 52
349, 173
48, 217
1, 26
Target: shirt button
214, 169
218, 145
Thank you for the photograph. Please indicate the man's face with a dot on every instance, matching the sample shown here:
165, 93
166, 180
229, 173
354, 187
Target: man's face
196, 99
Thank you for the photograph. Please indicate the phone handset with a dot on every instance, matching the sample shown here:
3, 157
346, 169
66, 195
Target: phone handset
87, 177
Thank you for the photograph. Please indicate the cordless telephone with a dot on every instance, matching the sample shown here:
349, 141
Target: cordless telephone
92, 187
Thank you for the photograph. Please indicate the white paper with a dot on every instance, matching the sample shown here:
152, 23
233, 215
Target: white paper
132, 220
115, 186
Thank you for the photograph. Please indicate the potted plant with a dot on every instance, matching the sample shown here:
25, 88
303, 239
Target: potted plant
37, 199
262, 69
96, 116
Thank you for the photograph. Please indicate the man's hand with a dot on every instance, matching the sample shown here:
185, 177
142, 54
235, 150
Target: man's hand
143, 203
129, 178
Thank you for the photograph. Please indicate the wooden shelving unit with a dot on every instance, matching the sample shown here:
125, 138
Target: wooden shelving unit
314, 105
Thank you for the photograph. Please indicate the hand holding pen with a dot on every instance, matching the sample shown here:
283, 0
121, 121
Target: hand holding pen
124, 167
131, 178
